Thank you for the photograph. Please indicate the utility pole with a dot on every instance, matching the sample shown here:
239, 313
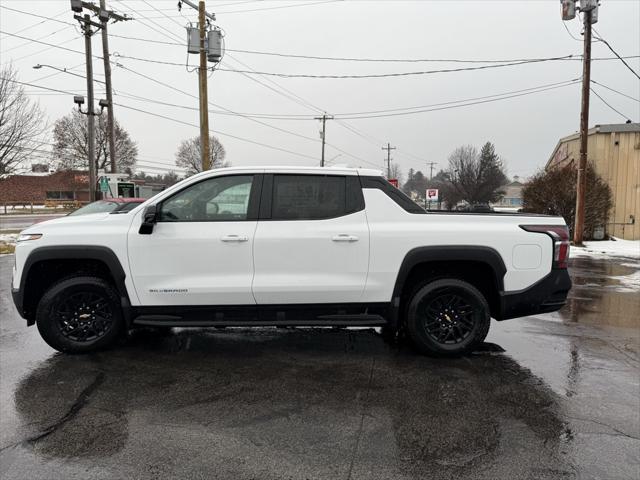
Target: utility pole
430, 165
104, 16
581, 183
91, 116
208, 47
323, 119
204, 97
388, 148
86, 24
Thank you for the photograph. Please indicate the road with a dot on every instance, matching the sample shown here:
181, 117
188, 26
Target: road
20, 222
555, 396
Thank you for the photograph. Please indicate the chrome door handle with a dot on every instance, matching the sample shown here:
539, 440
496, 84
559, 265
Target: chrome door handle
234, 238
344, 237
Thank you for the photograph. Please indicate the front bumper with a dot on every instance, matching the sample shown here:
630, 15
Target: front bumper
17, 296
546, 295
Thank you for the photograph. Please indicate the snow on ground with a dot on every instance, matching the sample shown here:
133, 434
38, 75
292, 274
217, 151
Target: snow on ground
8, 237
612, 248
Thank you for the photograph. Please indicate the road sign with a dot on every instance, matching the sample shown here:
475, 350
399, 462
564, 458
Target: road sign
432, 194
104, 184
394, 182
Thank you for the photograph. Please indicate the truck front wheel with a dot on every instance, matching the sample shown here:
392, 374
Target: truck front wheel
447, 317
79, 315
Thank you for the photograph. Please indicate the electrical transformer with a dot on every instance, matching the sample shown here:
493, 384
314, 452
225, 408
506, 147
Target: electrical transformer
568, 10
214, 44
193, 40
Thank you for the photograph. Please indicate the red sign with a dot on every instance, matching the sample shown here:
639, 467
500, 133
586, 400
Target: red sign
394, 182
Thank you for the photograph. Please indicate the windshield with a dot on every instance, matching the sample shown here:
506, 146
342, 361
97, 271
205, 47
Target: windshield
100, 206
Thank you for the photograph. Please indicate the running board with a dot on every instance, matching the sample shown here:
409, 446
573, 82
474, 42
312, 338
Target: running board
322, 321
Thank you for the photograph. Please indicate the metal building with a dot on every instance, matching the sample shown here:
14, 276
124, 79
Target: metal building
614, 151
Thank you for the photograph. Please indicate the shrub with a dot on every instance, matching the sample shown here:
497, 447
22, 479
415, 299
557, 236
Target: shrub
553, 192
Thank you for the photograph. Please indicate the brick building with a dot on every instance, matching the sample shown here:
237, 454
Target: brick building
72, 185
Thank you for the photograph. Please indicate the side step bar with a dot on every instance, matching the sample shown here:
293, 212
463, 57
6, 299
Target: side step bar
363, 320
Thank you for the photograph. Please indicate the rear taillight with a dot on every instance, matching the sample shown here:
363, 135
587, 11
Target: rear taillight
560, 236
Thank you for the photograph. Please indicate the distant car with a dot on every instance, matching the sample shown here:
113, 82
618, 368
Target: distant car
476, 208
110, 205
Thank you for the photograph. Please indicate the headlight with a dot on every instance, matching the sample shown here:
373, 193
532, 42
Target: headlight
23, 237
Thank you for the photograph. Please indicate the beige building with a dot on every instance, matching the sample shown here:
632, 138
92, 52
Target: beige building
614, 151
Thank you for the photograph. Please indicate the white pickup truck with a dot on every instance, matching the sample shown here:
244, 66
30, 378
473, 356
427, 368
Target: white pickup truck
288, 246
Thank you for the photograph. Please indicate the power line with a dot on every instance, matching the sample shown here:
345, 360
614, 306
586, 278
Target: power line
608, 105
219, 106
599, 37
219, 132
448, 107
174, 120
616, 91
576, 57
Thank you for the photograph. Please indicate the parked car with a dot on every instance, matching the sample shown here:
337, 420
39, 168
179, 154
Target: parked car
288, 247
111, 205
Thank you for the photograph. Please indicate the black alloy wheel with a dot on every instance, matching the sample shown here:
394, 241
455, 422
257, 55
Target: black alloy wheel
447, 317
80, 314
83, 316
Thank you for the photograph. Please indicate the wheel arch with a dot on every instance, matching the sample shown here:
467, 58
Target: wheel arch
65, 260
469, 263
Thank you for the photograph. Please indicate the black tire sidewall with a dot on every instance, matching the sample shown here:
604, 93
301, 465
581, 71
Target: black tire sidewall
50, 331
428, 345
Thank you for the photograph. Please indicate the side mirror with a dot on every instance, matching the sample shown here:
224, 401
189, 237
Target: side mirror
149, 219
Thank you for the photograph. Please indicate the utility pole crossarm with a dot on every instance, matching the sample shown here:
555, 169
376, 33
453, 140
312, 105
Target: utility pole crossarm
210, 16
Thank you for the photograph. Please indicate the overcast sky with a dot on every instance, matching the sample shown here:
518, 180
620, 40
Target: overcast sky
524, 129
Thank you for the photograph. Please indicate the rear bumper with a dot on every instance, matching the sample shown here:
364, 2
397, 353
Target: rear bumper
546, 295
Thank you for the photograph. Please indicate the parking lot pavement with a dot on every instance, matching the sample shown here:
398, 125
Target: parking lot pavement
549, 397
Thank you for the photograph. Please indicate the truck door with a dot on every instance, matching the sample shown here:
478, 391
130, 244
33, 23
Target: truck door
200, 250
312, 240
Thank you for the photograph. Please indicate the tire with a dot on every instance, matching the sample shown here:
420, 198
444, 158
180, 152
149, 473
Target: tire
80, 315
447, 317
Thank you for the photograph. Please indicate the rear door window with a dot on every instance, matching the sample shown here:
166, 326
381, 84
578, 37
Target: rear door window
308, 197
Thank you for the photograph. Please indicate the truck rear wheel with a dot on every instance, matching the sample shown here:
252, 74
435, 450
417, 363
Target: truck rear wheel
447, 317
80, 315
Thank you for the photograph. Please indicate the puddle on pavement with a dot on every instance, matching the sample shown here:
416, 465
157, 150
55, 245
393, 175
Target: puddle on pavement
605, 292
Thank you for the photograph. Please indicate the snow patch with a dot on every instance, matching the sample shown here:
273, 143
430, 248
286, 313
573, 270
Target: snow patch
611, 248
8, 237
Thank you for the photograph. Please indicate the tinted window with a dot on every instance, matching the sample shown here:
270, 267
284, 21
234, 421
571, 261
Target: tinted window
308, 197
392, 192
214, 200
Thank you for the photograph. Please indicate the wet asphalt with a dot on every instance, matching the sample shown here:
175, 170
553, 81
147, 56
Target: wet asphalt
555, 396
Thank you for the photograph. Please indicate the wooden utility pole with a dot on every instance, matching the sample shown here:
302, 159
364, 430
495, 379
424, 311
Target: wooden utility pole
388, 148
584, 132
104, 16
91, 131
323, 119
204, 98
430, 165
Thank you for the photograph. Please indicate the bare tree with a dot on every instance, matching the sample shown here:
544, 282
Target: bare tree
476, 178
188, 155
71, 144
22, 123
